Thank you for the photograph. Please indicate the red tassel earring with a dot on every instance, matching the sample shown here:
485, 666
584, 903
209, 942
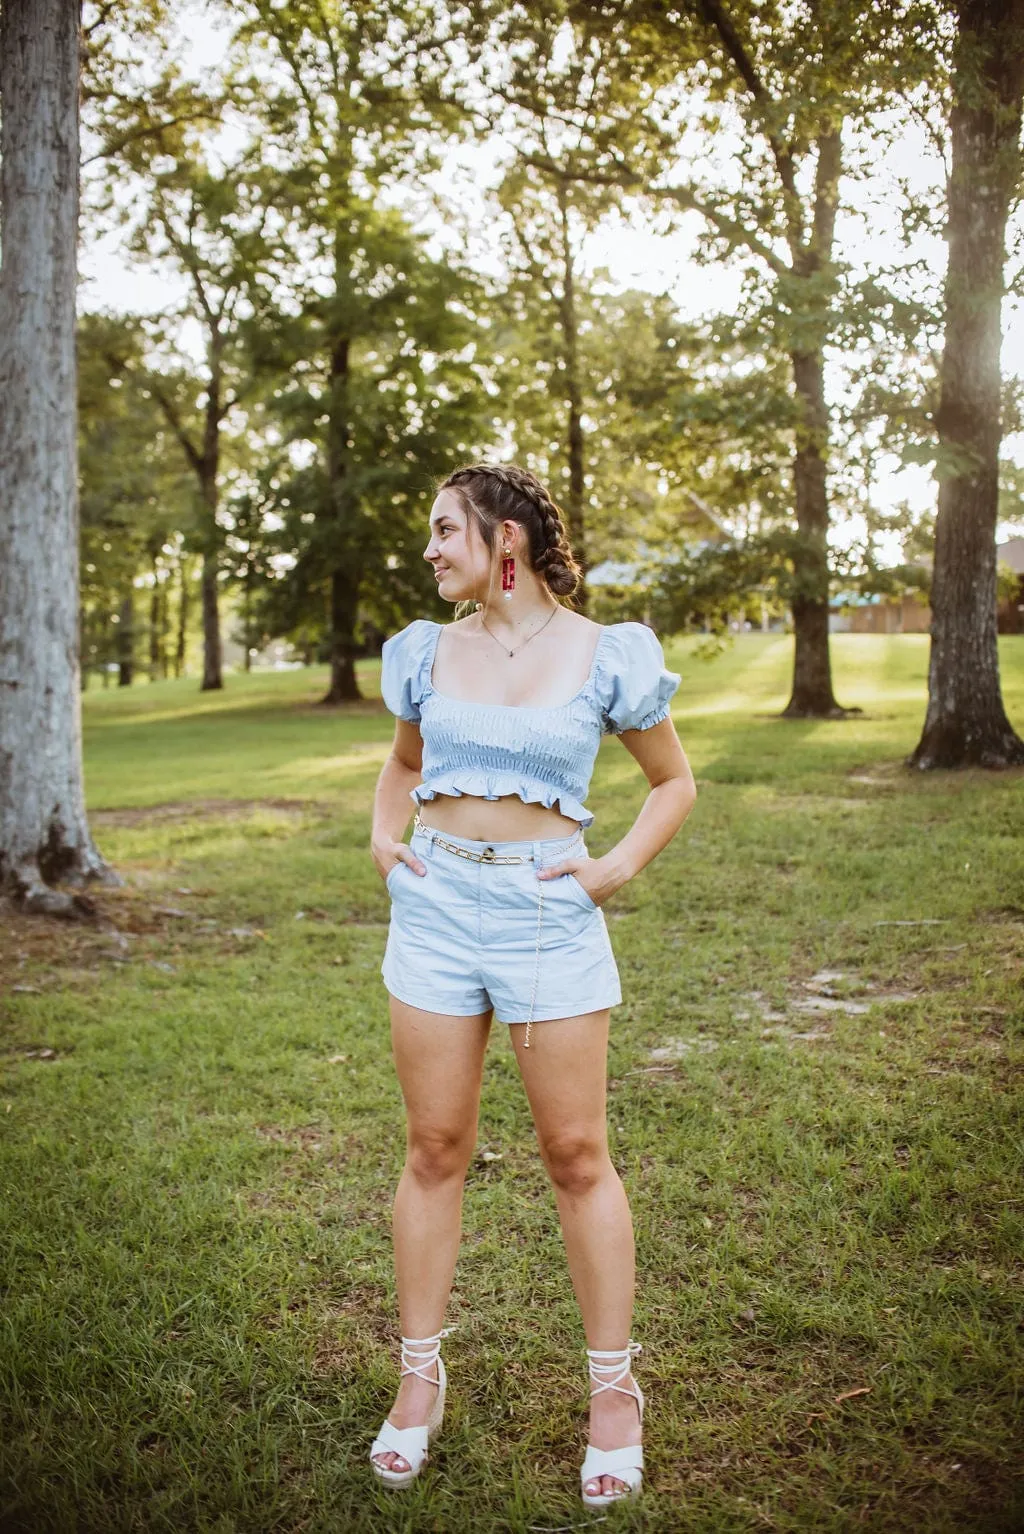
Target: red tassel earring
508, 574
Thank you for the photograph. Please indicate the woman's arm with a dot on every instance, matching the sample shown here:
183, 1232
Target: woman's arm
672, 797
392, 806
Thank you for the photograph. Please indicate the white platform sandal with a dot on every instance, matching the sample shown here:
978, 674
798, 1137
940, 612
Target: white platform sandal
419, 1354
626, 1464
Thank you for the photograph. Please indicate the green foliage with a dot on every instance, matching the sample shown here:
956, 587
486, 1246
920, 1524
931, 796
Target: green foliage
412, 401
709, 586
372, 342
138, 502
347, 362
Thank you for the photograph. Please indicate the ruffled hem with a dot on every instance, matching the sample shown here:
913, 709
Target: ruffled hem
495, 785
646, 723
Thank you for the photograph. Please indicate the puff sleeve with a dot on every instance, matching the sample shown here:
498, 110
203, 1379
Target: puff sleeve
635, 686
401, 669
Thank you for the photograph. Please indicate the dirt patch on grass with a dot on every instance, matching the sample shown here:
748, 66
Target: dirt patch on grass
311, 1138
881, 775
204, 809
128, 925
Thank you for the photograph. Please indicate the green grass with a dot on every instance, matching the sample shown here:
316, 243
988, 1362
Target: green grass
198, 1326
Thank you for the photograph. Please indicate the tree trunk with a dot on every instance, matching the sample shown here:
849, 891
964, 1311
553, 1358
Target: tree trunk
212, 674
165, 628
966, 724
154, 628
179, 648
126, 640
247, 633
44, 834
808, 301
157, 623
213, 677
812, 696
343, 687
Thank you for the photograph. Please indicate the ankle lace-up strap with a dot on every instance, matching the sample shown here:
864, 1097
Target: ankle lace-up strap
423, 1353
614, 1359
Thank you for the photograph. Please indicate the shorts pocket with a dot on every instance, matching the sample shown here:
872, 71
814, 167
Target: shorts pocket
582, 896
391, 874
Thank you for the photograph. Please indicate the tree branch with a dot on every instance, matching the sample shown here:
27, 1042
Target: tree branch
715, 15
153, 131
174, 421
826, 195
332, 52
316, 127
685, 197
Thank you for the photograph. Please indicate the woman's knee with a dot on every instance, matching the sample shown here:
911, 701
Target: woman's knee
576, 1160
436, 1156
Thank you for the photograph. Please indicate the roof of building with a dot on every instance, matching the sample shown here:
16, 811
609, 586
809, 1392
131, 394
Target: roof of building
1012, 553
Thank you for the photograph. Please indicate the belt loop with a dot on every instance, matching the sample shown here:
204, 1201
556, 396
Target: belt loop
428, 832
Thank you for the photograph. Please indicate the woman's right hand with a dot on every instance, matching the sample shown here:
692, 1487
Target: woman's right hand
386, 854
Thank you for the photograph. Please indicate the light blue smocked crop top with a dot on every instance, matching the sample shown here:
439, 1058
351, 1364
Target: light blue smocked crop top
545, 755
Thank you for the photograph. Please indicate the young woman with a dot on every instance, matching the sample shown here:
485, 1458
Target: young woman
496, 911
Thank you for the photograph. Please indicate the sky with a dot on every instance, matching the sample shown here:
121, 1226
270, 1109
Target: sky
631, 249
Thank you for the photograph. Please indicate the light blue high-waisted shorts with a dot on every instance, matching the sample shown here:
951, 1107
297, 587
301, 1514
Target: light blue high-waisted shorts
467, 935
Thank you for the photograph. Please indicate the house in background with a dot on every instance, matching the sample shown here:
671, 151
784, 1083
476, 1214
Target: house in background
1010, 612
697, 525
851, 613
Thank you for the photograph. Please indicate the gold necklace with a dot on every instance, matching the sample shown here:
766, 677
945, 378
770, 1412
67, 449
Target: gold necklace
525, 642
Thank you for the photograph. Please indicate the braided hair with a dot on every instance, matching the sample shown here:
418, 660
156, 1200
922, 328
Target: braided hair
493, 493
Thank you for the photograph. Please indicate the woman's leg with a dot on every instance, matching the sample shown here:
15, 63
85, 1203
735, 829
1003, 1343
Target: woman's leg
565, 1075
440, 1062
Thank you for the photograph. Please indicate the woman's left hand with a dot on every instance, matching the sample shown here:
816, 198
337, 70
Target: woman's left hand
592, 873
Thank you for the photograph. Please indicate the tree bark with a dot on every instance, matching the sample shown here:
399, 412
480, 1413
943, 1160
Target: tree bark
126, 640
157, 619
344, 576
212, 674
213, 677
965, 723
154, 629
247, 620
344, 687
165, 629
179, 648
812, 696
44, 834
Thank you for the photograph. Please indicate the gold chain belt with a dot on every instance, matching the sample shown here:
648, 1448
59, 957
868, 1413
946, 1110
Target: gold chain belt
487, 856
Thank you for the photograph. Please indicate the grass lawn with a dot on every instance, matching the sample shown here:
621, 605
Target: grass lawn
814, 1104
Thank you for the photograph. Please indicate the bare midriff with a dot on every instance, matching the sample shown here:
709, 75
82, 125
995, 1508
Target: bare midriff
508, 819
